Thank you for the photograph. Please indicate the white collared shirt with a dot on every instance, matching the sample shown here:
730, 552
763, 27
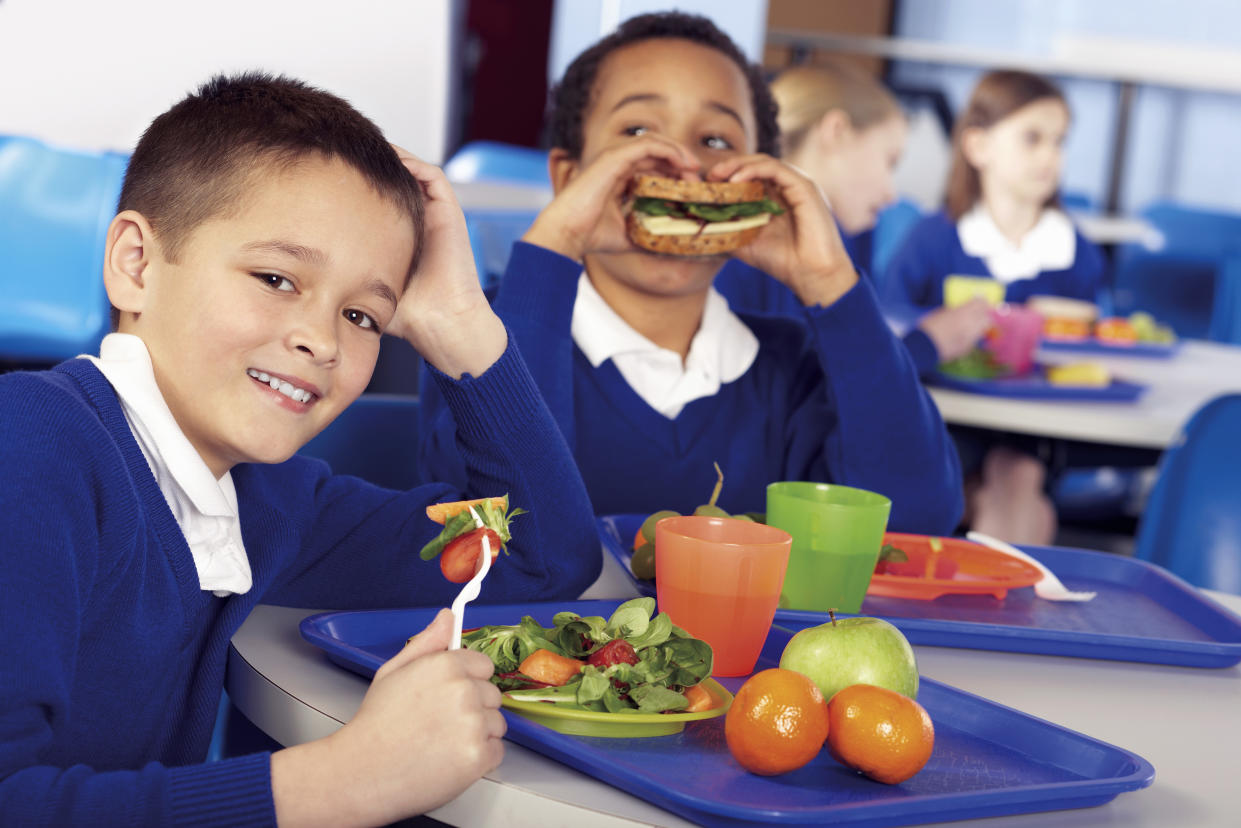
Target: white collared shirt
1050, 245
205, 508
721, 351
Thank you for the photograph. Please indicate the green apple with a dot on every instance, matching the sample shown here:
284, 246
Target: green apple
848, 651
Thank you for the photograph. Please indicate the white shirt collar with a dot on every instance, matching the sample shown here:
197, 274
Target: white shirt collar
1050, 245
721, 351
205, 508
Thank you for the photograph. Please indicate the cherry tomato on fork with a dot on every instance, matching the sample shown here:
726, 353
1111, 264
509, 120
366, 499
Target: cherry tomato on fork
463, 556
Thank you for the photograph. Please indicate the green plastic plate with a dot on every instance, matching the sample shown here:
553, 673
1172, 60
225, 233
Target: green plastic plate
617, 725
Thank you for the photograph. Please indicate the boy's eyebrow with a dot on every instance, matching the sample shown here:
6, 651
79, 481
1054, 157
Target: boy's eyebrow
381, 290
298, 251
646, 97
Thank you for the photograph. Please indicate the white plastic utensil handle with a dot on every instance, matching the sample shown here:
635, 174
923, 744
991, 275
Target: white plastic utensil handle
470, 591
1049, 588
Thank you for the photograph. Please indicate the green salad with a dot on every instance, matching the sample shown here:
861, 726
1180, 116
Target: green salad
631, 662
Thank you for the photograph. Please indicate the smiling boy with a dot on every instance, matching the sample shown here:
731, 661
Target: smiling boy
149, 498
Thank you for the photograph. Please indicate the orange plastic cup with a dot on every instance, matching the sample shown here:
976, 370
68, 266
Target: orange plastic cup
719, 579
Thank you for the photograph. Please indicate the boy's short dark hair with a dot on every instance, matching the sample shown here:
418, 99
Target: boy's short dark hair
571, 98
194, 161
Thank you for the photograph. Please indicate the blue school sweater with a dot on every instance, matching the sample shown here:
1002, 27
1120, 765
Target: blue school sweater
831, 397
112, 661
932, 251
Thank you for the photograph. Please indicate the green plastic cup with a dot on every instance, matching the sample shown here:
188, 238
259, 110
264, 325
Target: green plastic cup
837, 533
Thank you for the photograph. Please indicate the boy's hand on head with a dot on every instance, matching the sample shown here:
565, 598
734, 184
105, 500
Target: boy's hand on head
428, 728
801, 248
443, 312
955, 331
588, 213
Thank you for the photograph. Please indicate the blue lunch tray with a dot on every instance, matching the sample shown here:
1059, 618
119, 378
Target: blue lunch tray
989, 760
1149, 350
1034, 386
1142, 612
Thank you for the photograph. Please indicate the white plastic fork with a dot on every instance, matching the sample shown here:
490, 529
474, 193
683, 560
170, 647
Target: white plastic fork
1049, 588
470, 591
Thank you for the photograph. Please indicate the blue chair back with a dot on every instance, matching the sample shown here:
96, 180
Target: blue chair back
494, 161
376, 439
55, 207
1178, 283
1192, 521
893, 225
1226, 308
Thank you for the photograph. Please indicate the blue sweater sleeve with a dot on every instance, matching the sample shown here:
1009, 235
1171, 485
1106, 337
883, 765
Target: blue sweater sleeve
56, 554
914, 278
888, 435
507, 443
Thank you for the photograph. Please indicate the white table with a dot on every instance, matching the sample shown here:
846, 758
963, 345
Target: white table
1185, 721
1177, 387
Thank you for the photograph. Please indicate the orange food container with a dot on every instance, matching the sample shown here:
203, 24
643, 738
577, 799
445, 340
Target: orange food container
960, 567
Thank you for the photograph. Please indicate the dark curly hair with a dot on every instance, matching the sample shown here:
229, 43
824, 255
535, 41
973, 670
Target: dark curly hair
571, 98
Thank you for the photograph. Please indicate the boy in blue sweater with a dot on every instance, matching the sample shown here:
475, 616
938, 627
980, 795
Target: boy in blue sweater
650, 375
149, 498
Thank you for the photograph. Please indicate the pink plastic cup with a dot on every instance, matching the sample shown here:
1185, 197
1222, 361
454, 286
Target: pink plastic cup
1014, 337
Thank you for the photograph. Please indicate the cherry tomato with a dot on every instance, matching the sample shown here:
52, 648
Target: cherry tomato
463, 556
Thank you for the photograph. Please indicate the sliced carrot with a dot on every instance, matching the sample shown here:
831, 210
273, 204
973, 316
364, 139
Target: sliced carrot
550, 668
441, 512
699, 699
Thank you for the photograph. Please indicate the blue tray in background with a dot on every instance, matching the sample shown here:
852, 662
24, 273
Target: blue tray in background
1142, 612
1034, 386
1148, 350
989, 760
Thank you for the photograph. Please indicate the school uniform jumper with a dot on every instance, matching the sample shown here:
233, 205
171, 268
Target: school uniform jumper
831, 396
113, 656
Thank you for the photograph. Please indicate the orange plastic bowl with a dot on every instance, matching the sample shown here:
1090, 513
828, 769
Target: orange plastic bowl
961, 568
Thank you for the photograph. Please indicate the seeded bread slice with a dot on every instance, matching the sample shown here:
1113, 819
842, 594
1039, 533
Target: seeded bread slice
702, 244
701, 192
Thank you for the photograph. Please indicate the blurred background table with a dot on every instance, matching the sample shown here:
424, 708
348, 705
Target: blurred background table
1176, 388
1186, 721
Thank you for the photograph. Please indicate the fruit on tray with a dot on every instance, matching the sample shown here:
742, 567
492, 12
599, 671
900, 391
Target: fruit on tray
1147, 329
1116, 330
857, 650
1086, 374
777, 722
884, 735
642, 563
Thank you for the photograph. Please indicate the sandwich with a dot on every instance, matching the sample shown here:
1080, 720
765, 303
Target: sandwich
697, 218
460, 544
1064, 319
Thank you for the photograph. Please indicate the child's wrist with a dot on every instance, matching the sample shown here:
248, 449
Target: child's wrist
825, 286
553, 237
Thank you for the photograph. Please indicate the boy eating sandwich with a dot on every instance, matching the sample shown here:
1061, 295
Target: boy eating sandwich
651, 376
149, 498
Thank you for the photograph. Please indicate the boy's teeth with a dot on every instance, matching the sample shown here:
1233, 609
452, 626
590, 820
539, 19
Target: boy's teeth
287, 388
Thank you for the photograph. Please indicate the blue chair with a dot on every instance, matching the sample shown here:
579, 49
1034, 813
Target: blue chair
1178, 283
1192, 521
893, 225
494, 161
376, 439
493, 230
55, 208
1226, 308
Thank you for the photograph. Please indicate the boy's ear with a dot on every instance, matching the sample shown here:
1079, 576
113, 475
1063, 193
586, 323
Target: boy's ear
561, 168
127, 255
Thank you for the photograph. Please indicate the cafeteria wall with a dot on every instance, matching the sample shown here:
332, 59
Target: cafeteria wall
1182, 142
91, 74
576, 24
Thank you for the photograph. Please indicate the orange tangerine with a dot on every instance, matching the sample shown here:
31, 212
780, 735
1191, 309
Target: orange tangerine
883, 734
777, 722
